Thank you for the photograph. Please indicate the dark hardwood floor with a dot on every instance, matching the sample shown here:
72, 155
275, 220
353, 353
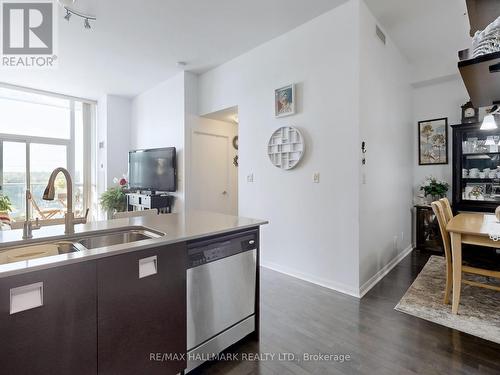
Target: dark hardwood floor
299, 317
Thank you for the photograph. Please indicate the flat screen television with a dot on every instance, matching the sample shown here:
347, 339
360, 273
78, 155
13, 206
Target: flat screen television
153, 169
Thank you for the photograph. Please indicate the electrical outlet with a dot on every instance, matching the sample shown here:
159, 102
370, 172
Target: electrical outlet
402, 237
316, 177
363, 179
250, 177
395, 240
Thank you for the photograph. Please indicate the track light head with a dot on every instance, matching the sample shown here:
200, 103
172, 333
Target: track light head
67, 16
86, 23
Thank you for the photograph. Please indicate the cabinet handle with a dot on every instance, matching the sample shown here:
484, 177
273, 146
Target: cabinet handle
148, 266
251, 242
26, 297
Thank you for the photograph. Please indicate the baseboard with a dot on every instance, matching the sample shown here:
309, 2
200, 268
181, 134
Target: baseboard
339, 287
365, 288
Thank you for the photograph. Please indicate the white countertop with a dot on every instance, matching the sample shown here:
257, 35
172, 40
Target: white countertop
177, 228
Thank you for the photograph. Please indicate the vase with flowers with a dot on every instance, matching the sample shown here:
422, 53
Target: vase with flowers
434, 189
115, 199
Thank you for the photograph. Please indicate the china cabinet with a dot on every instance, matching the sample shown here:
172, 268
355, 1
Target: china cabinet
476, 168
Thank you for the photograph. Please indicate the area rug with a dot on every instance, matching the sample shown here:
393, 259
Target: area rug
479, 310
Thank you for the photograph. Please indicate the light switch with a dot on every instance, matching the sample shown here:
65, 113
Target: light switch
250, 177
316, 177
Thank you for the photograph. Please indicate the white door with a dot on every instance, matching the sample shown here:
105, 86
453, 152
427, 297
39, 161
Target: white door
210, 173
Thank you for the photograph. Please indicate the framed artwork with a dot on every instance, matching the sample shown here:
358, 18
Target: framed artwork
433, 142
284, 101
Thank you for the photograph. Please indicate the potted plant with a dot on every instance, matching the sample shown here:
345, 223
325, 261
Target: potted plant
434, 188
5, 208
114, 199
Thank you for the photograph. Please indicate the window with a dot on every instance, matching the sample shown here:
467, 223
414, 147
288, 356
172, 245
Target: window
38, 133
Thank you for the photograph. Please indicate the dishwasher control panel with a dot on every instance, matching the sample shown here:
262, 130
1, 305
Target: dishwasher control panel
203, 252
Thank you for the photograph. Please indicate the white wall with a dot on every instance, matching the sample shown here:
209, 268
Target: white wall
385, 125
442, 99
118, 136
313, 230
101, 138
113, 134
158, 121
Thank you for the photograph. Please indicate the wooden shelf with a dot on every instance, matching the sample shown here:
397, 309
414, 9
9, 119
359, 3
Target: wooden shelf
481, 77
481, 13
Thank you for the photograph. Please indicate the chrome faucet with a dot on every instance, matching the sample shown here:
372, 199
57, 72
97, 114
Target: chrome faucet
28, 226
49, 193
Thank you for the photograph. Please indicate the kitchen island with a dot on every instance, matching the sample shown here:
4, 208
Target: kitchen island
120, 308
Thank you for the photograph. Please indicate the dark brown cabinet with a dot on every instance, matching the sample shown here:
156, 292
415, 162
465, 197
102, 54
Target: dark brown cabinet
142, 311
59, 337
428, 234
124, 314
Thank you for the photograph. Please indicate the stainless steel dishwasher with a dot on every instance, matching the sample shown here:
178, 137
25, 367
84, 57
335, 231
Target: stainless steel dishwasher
221, 294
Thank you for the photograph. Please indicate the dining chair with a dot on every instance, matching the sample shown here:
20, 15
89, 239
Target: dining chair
448, 212
469, 268
45, 213
126, 214
439, 211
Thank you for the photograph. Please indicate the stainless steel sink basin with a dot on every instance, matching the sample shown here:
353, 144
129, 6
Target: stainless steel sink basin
91, 241
117, 238
66, 247
39, 250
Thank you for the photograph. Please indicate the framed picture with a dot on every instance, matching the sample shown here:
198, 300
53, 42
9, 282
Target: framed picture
284, 101
433, 142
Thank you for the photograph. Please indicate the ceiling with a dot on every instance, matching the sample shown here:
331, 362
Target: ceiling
429, 33
135, 45
226, 115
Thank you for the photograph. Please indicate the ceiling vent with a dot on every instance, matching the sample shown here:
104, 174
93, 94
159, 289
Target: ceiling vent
380, 33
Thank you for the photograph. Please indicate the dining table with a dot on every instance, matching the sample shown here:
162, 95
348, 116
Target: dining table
473, 229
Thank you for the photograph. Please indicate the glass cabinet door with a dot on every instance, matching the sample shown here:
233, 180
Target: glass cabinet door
480, 172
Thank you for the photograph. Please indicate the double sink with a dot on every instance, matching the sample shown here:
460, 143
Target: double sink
77, 243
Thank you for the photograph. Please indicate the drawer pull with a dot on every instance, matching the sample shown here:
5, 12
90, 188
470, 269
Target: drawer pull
251, 242
148, 266
26, 297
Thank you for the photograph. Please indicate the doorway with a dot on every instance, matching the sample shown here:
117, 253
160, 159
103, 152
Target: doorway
214, 168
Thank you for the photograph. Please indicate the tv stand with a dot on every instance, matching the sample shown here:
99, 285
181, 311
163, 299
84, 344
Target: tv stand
143, 200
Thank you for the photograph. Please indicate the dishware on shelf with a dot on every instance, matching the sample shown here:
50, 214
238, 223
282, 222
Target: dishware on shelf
487, 40
492, 174
482, 175
474, 173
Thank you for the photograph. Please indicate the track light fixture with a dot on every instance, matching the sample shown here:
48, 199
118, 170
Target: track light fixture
86, 17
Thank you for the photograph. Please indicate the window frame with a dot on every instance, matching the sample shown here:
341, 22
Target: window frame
89, 123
